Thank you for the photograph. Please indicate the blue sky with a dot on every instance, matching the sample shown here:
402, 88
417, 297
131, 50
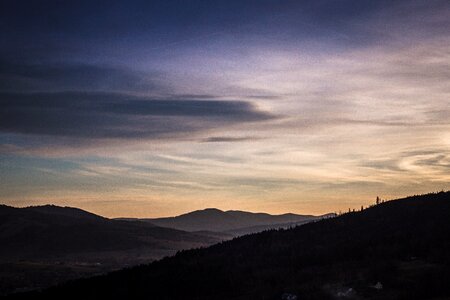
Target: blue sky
151, 108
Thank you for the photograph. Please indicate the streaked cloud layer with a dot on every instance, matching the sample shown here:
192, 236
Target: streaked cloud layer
117, 116
304, 106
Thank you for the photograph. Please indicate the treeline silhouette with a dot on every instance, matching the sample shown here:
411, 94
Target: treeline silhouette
394, 250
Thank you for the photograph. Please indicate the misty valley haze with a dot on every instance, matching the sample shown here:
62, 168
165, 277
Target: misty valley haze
45, 245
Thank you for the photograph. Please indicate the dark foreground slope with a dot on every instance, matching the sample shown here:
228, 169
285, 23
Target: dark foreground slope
44, 245
396, 250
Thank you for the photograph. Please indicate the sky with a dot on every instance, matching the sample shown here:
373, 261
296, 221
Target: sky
156, 108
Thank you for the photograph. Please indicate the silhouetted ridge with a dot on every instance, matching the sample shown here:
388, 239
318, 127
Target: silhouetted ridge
396, 250
66, 211
232, 221
40, 231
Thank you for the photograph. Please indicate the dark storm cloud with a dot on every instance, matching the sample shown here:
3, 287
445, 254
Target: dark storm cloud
102, 115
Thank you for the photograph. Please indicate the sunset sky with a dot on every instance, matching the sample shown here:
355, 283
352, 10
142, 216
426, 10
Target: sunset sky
156, 108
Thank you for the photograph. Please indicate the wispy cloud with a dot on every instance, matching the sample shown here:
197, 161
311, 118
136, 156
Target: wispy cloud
302, 105
229, 139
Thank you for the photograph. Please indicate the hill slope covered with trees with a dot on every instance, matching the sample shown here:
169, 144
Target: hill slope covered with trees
395, 250
44, 245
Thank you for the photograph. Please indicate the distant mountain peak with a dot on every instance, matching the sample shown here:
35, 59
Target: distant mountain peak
207, 210
230, 221
212, 209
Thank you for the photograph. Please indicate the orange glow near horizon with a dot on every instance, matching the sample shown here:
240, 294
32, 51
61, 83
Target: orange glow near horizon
261, 114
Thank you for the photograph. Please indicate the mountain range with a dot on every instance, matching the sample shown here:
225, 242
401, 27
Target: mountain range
233, 222
49, 231
398, 249
46, 245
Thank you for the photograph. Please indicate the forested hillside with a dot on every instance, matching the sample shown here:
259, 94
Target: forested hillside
395, 250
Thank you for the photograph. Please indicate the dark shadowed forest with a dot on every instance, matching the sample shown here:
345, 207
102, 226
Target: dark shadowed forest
42, 246
398, 249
